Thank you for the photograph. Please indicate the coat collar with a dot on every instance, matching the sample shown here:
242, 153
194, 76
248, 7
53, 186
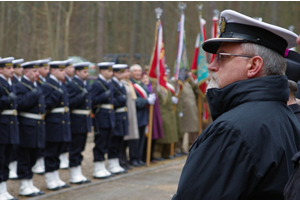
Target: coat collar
267, 88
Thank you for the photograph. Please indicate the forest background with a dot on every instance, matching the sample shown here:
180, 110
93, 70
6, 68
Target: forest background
58, 29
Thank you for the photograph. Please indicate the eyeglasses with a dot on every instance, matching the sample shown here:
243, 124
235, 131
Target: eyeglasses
224, 56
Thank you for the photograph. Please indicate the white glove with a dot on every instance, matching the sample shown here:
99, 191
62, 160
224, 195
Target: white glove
153, 96
151, 99
174, 100
180, 114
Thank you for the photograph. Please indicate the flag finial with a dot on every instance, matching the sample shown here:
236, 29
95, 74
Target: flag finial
158, 12
216, 13
181, 6
291, 28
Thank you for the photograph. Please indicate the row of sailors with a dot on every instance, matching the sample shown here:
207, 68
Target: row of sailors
48, 117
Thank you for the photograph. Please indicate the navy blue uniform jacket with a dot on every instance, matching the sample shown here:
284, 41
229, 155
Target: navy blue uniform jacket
105, 118
141, 105
57, 124
32, 131
121, 128
246, 152
80, 124
9, 130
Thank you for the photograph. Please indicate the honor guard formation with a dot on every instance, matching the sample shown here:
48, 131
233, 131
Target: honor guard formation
250, 135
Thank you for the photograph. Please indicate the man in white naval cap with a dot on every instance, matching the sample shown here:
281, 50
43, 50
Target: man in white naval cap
104, 117
121, 127
246, 152
57, 123
18, 73
81, 122
9, 130
69, 73
39, 167
31, 108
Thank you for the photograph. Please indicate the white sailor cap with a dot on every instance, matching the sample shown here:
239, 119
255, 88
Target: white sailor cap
30, 64
69, 62
17, 63
105, 65
236, 27
6, 61
81, 65
120, 67
44, 62
58, 64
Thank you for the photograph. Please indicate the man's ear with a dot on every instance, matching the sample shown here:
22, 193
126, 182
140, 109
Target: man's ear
254, 67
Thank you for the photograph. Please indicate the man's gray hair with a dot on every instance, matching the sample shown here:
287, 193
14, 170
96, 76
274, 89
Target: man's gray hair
135, 66
274, 64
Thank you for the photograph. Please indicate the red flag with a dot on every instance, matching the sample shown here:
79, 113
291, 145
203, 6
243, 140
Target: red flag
157, 66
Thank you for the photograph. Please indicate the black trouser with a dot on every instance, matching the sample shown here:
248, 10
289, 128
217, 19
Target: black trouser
102, 139
123, 155
5, 154
65, 147
26, 160
52, 152
76, 147
114, 148
39, 153
137, 146
14, 154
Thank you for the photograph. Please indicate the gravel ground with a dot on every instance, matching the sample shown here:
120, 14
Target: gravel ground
87, 170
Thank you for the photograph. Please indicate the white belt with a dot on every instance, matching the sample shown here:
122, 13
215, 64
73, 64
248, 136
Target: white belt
107, 106
9, 112
119, 110
81, 112
60, 110
32, 115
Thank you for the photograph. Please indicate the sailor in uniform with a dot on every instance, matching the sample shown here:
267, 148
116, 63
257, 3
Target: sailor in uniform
80, 106
121, 124
9, 131
31, 109
18, 72
57, 123
104, 121
39, 167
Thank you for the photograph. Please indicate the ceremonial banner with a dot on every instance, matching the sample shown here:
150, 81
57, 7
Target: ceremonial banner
157, 66
181, 62
202, 70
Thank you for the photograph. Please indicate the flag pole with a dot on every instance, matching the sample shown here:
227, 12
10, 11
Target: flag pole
158, 12
182, 7
199, 8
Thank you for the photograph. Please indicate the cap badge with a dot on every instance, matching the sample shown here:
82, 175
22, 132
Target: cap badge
222, 24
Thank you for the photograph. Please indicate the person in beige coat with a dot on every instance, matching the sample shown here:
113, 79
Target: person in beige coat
190, 118
132, 119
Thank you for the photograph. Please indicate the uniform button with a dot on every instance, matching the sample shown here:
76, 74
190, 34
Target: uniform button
11, 104
109, 111
87, 107
62, 103
38, 122
124, 117
63, 112
40, 113
44, 123
40, 105
86, 100
69, 123
18, 123
12, 122
63, 122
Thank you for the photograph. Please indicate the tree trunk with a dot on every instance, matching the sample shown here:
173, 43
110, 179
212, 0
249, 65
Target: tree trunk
67, 28
100, 30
